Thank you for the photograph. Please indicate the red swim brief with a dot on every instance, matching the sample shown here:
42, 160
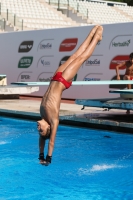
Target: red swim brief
58, 77
131, 78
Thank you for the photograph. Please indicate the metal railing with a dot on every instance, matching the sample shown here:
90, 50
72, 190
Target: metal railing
2, 24
9, 18
60, 4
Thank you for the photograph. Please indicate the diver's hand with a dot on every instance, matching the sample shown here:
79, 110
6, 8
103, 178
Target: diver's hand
44, 162
48, 159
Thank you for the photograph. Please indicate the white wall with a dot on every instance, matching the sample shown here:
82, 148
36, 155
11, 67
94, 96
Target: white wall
43, 58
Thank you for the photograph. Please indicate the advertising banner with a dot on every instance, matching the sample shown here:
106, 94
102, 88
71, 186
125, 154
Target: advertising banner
35, 56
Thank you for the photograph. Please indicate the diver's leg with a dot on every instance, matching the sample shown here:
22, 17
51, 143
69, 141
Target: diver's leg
74, 66
79, 51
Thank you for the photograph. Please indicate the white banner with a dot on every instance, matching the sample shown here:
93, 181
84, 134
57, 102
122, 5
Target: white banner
35, 55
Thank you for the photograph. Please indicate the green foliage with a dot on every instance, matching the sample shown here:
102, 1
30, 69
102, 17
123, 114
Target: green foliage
129, 2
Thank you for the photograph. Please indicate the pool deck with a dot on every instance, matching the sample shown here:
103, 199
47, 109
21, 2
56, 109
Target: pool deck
70, 114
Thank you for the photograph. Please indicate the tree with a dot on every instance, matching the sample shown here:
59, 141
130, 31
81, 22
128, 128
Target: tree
129, 2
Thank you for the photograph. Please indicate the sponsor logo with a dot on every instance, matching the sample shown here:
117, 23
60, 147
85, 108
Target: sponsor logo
24, 76
121, 44
118, 60
45, 44
25, 46
43, 62
25, 62
45, 77
95, 62
68, 44
91, 79
97, 77
120, 41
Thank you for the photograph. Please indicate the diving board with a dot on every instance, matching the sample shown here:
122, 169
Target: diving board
116, 103
17, 89
124, 102
104, 82
3, 79
2, 75
126, 91
125, 94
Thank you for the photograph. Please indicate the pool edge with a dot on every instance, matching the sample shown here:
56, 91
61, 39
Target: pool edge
71, 121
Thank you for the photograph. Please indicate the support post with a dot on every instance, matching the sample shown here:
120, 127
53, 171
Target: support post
87, 13
14, 20
0, 8
68, 8
58, 4
77, 7
22, 24
7, 15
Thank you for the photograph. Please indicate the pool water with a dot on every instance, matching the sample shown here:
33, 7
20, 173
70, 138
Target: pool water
87, 164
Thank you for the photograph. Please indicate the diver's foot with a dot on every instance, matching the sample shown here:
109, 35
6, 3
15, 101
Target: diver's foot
93, 31
99, 33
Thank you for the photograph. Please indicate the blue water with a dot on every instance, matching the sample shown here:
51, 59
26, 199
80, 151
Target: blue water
85, 164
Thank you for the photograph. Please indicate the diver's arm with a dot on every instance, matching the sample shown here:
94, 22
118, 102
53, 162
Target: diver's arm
54, 126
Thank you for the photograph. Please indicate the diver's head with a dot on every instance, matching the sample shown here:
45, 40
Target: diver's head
43, 129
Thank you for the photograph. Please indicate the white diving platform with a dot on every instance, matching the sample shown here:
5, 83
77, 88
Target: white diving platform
2, 75
118, 103
104, 103
3, 79
14, 89
104, 82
